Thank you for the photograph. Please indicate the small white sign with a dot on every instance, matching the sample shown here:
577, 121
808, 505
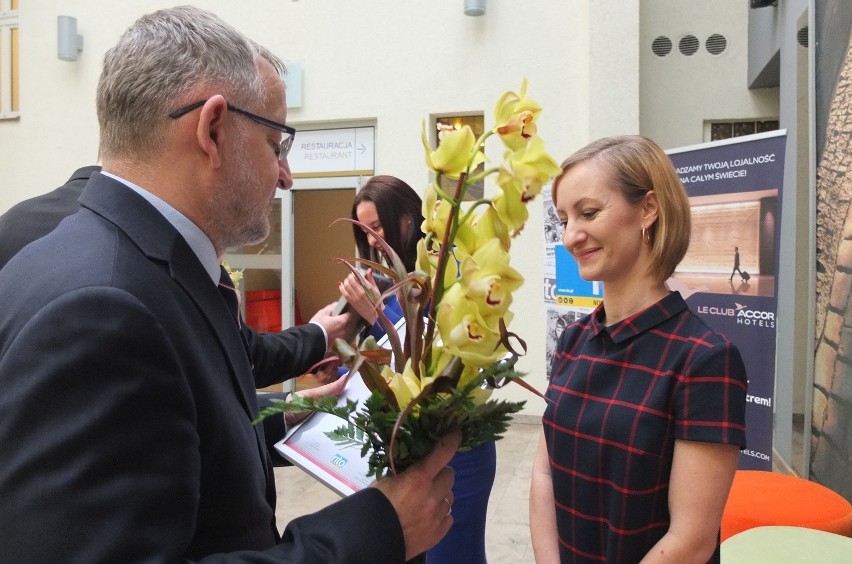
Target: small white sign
333, 152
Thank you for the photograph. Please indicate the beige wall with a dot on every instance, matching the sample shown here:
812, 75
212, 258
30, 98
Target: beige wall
679, 93
394, 64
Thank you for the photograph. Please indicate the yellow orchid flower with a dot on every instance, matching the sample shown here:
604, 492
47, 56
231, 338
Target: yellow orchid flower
510, 207
478, 230
456, 151
490, 226
488, 280
405, 386
427, 261
465, 333
467, 238
440, 358
469, 373
530, 168
436, 212
236, 275
430, 203
515, 116
480, 395
426, 258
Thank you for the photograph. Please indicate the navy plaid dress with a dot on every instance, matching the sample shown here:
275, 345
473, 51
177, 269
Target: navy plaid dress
622, 395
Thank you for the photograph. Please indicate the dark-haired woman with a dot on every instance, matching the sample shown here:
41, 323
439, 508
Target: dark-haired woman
393, 209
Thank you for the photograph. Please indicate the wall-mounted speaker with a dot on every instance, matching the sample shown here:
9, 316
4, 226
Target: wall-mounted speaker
68, 43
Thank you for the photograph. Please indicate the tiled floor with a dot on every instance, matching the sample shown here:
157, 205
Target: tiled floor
507, 533
507, 536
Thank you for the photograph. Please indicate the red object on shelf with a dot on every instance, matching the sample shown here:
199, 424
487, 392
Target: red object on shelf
263, 310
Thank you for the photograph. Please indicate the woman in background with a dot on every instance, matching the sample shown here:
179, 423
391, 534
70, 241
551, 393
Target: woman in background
393, 209
642, 438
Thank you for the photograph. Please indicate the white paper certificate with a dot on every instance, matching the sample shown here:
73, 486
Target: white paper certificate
340, 467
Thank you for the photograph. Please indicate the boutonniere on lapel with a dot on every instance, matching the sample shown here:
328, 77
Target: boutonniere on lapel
236, 275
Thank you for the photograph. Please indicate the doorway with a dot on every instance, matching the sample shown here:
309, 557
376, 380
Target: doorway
318, 240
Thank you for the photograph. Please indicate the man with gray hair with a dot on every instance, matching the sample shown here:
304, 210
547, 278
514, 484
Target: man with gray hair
127, 388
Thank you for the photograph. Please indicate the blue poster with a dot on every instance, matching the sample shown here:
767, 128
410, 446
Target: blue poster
729, 274
570, 288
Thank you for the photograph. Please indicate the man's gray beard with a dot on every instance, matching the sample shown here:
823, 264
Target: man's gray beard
237, 228
234, 223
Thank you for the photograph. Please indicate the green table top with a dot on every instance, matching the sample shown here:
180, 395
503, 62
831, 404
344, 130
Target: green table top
779, 545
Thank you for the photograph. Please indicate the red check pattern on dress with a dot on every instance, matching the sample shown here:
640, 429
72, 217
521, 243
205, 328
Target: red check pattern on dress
622, 395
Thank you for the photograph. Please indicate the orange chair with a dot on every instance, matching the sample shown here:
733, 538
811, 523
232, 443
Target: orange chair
759, 498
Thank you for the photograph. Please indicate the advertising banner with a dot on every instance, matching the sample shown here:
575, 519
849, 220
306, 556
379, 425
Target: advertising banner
729, 274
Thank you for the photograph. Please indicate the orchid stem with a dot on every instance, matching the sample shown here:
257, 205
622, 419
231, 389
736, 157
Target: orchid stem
482, 175
438, 286
473, 207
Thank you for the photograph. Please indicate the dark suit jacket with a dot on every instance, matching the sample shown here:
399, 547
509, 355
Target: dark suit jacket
34, 218
126, 400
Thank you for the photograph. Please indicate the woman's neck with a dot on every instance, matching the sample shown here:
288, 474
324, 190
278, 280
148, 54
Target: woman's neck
621, 303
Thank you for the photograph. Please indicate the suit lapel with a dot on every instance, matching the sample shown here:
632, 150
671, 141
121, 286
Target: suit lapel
188, 273
161, 242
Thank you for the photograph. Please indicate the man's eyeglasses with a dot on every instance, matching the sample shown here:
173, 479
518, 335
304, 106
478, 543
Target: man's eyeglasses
287, 132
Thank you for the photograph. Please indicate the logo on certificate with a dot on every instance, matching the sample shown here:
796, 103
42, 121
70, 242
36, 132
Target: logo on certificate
338, 461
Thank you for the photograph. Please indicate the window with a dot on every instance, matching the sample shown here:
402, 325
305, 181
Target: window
9, 59
477, 124
728, 129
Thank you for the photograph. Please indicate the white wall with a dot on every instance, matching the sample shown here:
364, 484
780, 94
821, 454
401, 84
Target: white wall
396, 63
614, 68
678, 92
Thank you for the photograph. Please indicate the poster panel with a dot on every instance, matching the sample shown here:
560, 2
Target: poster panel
729, 274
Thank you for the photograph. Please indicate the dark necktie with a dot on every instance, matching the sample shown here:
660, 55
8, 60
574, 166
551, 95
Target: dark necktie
229, 293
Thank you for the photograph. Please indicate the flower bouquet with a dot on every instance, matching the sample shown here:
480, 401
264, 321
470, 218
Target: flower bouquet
456, 348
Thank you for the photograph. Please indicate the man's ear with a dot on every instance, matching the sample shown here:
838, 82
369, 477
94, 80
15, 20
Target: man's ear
210, 131
650, 208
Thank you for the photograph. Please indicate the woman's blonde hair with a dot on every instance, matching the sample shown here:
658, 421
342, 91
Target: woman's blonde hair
637, 165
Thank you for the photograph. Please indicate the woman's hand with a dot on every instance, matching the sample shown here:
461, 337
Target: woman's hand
545, 538
332, 385
364, 300
701, 478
